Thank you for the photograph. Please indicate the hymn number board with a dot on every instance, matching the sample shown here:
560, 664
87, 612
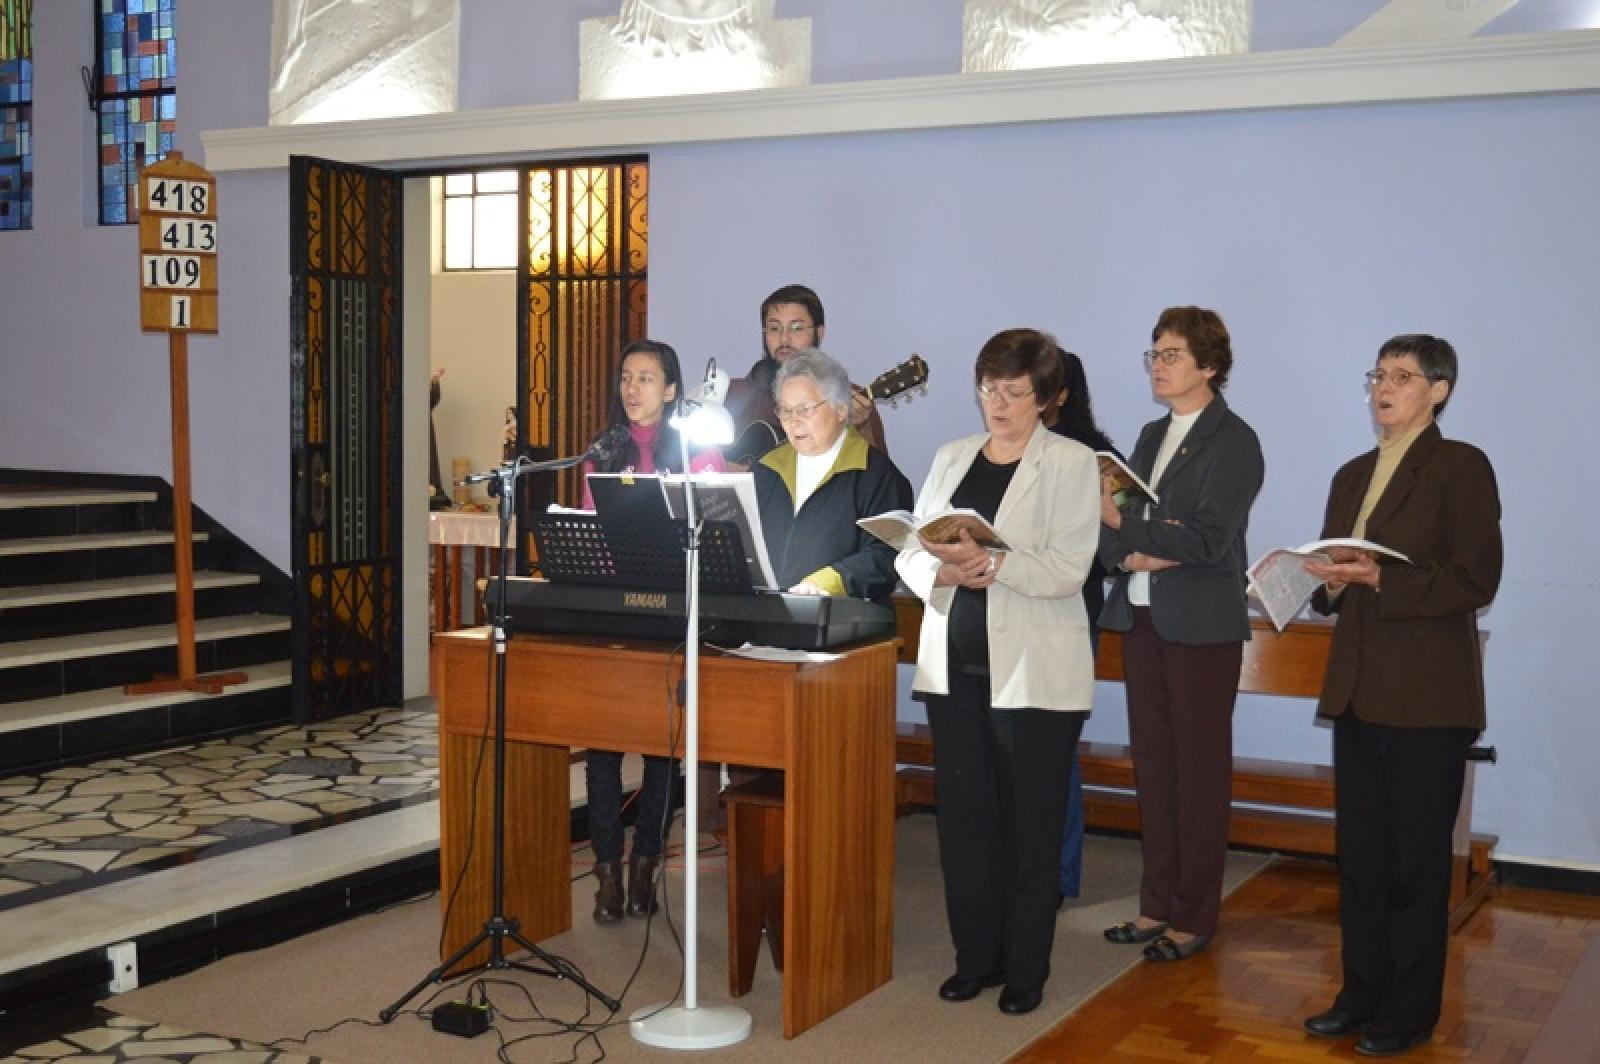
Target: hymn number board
177, 247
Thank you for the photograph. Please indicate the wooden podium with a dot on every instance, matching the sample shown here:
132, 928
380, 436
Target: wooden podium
829, 726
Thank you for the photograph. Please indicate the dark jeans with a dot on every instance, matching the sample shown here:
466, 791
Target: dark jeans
1399, 790
1001, 798
603, 769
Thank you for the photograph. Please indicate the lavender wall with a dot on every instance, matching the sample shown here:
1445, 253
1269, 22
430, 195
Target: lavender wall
1317, 233
84, 389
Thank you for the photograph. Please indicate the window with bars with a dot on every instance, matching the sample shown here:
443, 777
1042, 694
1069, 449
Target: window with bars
16, 114
480, 221
135, 84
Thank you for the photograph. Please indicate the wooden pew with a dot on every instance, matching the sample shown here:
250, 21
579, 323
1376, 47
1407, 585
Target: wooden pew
1299, 798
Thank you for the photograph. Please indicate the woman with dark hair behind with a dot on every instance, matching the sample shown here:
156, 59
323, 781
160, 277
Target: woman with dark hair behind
1179, 600
1405, 690
1071, 414
648, 382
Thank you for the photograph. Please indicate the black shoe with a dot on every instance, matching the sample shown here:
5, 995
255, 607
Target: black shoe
1378, 1044
1335, 1023
959, 988
1129, 933
1014, 1002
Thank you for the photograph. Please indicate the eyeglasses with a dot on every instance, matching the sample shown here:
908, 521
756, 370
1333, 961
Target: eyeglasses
989, 391
799, 413
1397, 377
1167, 356
795, 328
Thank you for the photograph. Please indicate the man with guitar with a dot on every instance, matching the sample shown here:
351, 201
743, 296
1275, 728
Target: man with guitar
791, 320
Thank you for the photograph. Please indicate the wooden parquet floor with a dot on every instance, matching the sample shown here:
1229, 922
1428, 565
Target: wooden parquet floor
1276, 961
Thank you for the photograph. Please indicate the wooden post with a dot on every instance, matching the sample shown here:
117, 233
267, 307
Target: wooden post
178, 295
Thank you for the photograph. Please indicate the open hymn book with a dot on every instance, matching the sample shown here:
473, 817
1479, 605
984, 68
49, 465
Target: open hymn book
1126, 486
900, 528
1279, 580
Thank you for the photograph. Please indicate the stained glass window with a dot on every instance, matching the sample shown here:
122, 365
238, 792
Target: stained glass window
16, 114
136, 67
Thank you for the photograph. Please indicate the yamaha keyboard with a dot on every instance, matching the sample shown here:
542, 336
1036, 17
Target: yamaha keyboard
767, 618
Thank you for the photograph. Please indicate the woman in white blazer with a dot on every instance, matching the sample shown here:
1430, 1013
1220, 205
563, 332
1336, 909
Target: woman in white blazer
1005, 668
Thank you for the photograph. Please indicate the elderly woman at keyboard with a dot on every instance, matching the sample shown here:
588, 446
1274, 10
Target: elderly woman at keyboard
814, 487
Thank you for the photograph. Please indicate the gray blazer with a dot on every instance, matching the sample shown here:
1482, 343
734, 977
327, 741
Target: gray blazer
1206, 493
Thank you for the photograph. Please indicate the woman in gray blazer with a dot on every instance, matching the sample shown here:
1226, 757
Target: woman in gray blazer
1179, 599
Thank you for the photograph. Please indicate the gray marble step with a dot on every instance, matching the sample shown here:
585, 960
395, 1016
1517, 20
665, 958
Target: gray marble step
116, 587
92, 919
30, 545
109, 701
122, 640
44, 498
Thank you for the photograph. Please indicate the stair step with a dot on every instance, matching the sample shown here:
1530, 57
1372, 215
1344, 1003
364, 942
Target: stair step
116, 587
88, 541
109, 701
30, 500
123, 640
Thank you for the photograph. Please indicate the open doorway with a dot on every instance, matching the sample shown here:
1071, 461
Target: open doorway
538, 278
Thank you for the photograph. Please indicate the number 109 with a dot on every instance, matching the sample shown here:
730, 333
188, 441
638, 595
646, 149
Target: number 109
171, 271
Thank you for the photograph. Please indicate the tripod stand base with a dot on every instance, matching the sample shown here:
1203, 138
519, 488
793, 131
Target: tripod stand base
704, 1027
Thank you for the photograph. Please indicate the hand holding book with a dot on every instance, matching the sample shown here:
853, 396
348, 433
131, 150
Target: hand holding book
1283, 580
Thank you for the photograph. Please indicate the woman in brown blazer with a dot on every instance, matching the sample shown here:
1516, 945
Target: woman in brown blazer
1405, 690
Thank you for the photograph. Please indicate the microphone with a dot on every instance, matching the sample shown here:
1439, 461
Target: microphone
607, 444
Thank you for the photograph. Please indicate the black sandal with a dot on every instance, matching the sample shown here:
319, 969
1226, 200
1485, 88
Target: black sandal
1129, 933
1166, 949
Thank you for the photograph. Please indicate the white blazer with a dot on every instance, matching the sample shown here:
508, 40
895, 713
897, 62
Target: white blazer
1038, 632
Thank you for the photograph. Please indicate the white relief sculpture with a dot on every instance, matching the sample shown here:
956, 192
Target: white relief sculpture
339, 60
1023, 34
674, 47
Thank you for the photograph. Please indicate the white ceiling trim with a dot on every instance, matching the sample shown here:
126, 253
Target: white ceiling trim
1498, 66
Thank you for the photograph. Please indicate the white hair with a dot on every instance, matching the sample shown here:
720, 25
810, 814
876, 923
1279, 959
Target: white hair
831, 378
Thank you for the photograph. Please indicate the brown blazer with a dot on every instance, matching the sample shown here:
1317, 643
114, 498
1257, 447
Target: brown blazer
1408, 654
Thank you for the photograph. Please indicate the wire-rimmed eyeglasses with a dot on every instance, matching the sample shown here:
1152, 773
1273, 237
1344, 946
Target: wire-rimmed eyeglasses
1167, 356
1397, 377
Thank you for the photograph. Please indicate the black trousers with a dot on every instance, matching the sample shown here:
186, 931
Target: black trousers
1399, 790
1002, 798
603, 770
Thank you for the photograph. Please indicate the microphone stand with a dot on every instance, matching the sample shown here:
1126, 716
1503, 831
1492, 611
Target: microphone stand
499, 927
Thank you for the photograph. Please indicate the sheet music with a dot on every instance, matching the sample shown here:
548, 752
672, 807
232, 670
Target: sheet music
728, 497
761, 653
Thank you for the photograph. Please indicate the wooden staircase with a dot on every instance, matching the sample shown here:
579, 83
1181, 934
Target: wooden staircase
87, 605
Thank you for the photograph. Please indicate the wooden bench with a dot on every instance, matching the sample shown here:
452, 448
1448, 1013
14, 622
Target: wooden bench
1298, 798
755, 876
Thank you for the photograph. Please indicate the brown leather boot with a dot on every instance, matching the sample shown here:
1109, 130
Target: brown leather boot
642, 885
608, 896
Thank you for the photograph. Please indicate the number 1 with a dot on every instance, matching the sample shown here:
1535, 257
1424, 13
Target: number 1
180, 312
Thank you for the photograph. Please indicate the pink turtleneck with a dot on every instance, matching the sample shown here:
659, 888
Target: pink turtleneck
644, 442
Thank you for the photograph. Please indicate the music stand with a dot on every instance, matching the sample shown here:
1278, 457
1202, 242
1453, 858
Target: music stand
640, 554
499, 927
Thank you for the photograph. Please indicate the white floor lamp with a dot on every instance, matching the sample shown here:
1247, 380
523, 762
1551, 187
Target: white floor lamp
703, 421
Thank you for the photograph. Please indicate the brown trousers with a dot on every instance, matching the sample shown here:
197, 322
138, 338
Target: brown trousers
1180, 724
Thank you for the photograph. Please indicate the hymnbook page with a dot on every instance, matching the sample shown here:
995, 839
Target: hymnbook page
1279, 580
901, 529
